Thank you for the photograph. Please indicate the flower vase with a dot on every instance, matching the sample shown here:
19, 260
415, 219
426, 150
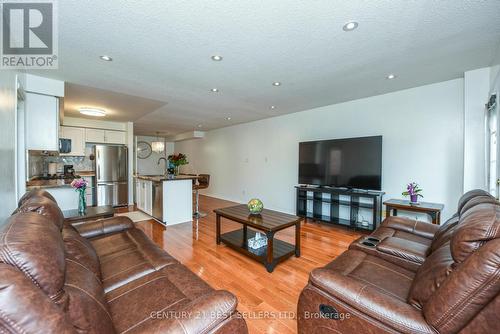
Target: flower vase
82, 201
414, 199
177, 170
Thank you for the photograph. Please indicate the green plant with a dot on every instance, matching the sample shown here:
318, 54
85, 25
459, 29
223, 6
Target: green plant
413, 189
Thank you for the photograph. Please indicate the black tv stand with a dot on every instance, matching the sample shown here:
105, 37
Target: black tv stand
340, 206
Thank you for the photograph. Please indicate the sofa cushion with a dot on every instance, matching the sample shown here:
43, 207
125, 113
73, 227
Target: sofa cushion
80, 250
404, 249
36, 193
465, 198
103, 227
45, 207
444, 233
87, 307
383, 232
27, 309
431, 275
477, 225
32, 244
127, 256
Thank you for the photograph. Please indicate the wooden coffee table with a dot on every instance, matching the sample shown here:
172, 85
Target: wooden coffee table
92, 213
268, 222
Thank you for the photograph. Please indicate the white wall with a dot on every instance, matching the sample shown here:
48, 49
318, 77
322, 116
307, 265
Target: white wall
422, 132
150, 165
8, 101
476, 93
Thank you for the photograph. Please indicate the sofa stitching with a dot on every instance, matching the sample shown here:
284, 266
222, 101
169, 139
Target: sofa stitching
124, 270
146, 319
11, 322
88, 294
377, 287
387, 268
81, 265
135, 288
114, 256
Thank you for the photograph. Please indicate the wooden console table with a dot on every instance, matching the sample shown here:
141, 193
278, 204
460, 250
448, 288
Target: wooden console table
92, 213
268, 222
432, 209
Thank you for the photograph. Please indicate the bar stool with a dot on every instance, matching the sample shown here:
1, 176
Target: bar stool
203, 183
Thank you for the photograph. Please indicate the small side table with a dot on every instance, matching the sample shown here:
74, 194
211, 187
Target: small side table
432, 209
92, 213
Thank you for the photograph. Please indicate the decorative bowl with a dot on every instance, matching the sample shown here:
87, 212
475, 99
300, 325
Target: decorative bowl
255, 206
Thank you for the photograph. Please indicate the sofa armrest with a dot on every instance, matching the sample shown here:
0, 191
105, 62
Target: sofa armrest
423, 229
103, 226
376, 304
202, 315
405, 249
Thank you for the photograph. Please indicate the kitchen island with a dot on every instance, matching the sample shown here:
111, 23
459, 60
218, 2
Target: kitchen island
168, 200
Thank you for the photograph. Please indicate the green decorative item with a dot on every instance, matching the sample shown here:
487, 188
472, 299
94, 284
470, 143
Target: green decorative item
255, 206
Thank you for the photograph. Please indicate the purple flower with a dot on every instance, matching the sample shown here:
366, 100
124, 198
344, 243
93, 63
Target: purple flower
79, 184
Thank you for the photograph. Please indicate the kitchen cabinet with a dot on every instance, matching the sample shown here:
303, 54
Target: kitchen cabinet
77, 136
42, 122
144, 195
105, 136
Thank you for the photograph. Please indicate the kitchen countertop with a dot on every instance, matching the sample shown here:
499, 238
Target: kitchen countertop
159, 178
41, 184
86, 173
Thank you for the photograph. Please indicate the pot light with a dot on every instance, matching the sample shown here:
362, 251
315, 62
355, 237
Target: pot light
272, 107
350, 26
391, 76
214, 90
228, 118
217, 58
200, 125
92, 112
277, 83
106, 58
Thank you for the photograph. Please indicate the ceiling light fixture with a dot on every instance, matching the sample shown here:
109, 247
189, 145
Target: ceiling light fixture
277, 83
200, 125
391, 76
350, 26
92, 112
214, 90
106, 58
217, 58
273, 107
228, 118
157, 146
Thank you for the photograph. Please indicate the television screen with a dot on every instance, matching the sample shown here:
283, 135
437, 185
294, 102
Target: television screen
352, 162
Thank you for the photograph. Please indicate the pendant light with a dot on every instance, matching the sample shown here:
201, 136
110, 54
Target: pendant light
157, 146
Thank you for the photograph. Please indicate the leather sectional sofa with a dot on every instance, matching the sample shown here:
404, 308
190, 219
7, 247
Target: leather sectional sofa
100, 277
413, 277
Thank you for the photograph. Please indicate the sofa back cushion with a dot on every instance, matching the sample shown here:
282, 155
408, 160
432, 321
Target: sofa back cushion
477, 225
87, 308
33, 245
36, 193
468, 196
27, 309
45, 207
469, 288
444, 233
80, 250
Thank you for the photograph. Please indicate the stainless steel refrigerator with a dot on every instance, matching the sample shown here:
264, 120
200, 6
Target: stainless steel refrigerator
111, 175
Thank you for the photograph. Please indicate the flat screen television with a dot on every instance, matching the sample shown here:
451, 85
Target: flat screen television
351, 162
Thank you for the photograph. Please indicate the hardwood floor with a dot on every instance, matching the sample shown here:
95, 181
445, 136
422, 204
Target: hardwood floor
268, 301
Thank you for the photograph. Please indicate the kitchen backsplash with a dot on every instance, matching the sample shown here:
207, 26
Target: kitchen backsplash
38, 164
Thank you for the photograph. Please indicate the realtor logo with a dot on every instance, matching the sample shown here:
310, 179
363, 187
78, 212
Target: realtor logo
29, 34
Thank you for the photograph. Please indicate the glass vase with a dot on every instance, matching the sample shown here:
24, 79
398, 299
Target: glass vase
177, 170
82, 201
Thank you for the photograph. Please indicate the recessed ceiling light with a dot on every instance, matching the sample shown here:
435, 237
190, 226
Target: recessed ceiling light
106, 58
277, 83
350, 26
272, 107
214, 90
217, 58
228, 118
200, 125
92, 112
391, 76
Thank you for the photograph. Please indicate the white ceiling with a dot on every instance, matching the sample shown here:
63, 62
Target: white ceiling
162, 49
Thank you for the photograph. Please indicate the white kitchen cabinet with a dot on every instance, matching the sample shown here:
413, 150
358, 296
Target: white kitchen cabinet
77, 136
42, 122
144, 195
94, 136
105, 136
115, 137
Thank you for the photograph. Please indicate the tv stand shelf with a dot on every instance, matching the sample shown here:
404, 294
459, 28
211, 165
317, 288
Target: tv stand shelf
340, 206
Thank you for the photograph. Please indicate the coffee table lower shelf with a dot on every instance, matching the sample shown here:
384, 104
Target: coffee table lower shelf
236, 240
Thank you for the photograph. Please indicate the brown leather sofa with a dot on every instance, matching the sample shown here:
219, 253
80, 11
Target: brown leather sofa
413, 277
101, 277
